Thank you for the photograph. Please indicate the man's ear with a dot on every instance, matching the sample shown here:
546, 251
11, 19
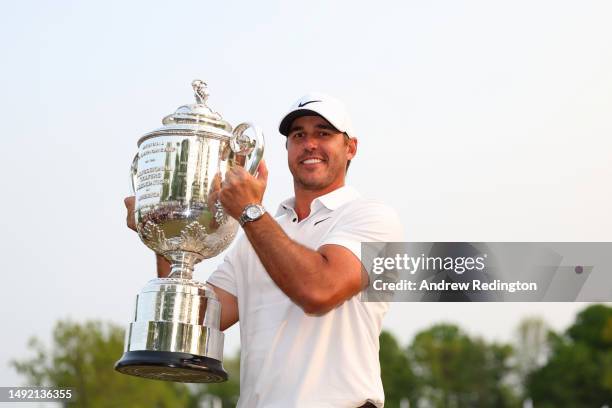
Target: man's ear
352, 147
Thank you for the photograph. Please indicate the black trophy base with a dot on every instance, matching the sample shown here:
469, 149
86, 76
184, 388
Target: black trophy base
171, 366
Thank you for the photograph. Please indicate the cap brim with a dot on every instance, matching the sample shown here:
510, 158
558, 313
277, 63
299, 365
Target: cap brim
285, 125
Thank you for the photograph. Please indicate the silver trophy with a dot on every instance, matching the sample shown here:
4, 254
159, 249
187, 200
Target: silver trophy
176, 177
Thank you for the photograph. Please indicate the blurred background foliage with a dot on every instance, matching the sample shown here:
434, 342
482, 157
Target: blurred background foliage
443, 366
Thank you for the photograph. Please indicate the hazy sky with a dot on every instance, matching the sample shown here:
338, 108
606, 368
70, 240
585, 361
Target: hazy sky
477, 121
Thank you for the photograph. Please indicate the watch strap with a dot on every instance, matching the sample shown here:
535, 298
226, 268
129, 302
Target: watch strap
244, 217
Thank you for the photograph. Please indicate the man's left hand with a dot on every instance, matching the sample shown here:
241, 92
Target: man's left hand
240, 188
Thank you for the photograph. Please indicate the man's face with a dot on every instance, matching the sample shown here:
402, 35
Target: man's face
317, 153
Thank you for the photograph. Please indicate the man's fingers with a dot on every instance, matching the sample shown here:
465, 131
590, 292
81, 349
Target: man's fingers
262, 171
230, 176
239, 171
216, 181
129, 202
129, 206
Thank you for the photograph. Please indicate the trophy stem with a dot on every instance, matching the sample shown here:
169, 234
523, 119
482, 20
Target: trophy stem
181, 271
181, 264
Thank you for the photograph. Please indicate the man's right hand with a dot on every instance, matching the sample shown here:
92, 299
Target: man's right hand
130, 202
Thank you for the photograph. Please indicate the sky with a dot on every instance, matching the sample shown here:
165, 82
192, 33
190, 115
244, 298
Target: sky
476, 120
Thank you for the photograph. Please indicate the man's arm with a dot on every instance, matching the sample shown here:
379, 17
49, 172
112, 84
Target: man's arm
163, 266
318, 280
229, 307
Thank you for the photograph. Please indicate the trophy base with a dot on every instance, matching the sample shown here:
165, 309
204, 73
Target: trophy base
171, 366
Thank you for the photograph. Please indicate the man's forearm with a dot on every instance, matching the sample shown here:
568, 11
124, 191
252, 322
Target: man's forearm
163, 266
300, 272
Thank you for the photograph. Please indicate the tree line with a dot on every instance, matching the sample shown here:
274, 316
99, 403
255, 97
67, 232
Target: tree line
442, 366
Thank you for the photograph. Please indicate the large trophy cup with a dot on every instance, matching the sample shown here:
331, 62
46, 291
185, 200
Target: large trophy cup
176, 177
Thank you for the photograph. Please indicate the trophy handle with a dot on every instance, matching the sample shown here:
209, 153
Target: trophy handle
250, 147
133, 172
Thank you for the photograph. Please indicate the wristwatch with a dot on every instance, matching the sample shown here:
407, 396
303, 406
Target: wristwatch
251, 212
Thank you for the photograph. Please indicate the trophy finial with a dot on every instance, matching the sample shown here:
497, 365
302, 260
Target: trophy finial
201, 91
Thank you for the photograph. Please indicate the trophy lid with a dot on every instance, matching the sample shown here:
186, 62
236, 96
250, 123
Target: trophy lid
196, 118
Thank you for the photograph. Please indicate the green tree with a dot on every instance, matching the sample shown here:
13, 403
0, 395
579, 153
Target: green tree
228, 391
457, 371
531, 349
579, 370
82, 356
396, 373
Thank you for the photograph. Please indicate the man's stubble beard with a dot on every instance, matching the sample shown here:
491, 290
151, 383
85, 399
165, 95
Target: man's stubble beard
311, 185
317, 184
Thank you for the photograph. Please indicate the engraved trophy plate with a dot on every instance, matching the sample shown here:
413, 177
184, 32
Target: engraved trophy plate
176, 177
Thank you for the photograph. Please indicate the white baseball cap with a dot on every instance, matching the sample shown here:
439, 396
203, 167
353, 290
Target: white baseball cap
317, 103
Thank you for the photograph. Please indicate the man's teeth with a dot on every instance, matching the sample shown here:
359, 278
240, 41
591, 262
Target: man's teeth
312, 161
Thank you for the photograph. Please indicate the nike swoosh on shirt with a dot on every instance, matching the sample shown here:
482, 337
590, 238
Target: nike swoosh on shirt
302, 104
322, 220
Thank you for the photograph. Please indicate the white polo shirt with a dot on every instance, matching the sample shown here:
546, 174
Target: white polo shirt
292, 359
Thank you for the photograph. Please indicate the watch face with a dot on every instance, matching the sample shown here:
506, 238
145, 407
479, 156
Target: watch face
253, 212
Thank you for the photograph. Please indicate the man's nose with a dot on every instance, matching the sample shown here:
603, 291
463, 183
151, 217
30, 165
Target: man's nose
310, 142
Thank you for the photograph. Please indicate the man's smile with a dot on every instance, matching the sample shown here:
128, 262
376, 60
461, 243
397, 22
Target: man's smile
312, 160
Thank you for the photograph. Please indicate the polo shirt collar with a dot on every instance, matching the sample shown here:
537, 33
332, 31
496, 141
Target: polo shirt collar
331, 200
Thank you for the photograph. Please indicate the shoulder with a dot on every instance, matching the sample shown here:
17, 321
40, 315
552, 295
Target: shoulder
371, 209
372, 215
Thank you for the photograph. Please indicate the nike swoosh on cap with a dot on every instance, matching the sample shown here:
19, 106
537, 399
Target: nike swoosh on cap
302, 104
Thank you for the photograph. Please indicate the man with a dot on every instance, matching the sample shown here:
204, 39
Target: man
293, 279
